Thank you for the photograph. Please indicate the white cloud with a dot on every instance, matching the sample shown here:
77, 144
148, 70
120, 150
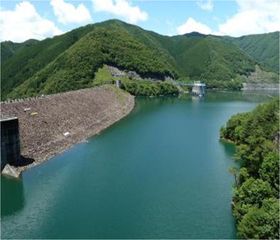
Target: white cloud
253, 16
68, 13
192, 25
206, 5
121, 8
24, 23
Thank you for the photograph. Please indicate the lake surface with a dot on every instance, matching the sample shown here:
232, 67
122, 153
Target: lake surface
159, 173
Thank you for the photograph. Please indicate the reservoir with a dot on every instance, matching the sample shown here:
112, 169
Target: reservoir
159, 173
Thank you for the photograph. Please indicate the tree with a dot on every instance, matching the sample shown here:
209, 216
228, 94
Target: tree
254, 191
269, 170
254, 208
234, 172
261, 223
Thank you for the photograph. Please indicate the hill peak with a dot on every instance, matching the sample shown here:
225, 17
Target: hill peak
195, 34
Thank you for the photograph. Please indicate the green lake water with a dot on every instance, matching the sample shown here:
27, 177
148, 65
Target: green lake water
159, 173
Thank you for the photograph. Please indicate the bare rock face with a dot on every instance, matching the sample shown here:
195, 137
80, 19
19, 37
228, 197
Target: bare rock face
11, 171
132, 74
116, 72
260, 86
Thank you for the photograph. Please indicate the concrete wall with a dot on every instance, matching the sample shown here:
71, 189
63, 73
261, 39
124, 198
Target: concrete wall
10, 143
198, 90
261, 86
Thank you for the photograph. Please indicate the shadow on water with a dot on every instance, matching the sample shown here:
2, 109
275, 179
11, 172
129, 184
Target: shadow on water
229, 149
12, 191
217, 95
12, 196
24, 161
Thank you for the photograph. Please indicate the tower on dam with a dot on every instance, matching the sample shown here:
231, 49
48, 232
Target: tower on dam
198, 88
10, 142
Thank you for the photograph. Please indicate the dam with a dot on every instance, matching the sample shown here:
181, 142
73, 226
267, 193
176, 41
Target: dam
198, 88
47, 125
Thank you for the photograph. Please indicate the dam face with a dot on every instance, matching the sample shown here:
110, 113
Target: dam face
10, 142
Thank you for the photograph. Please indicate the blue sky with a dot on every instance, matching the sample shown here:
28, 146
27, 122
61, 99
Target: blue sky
24, 19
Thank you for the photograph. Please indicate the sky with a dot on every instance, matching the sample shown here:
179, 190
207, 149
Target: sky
38, 19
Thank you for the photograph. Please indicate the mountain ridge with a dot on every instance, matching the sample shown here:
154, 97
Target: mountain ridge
70, 61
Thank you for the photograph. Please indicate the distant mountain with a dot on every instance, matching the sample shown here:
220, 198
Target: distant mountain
195, 34
8, 48
27, 60
70, 61
208, 57
264, 48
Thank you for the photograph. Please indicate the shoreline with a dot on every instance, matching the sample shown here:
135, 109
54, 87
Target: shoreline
225, 140
82, 114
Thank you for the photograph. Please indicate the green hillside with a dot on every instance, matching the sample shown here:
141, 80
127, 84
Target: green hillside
256, 193
70, 61
76, 67
8, 48
262, 47
28, 60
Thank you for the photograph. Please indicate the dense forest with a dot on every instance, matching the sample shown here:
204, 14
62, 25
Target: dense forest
256, 192
70, 61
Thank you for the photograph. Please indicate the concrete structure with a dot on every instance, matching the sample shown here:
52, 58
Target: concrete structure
10, 143
83, 113
118, 83
198, 88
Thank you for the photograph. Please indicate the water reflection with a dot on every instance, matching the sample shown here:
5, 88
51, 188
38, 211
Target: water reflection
250, 96
12, 196
197, 98
229, 149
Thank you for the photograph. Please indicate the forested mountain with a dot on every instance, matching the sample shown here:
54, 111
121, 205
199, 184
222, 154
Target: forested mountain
209, 58
27, 60
8, 48
264, 48
70, 61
